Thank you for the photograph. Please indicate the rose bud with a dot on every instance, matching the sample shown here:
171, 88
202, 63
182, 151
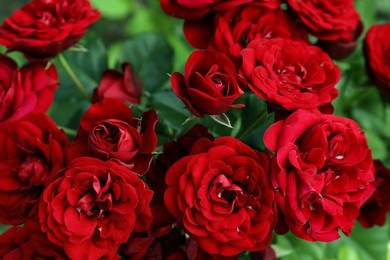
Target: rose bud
374, 211
32, 150
331, 21
322, 173
43, 28
93, 207
28, 242
290, 74
209, 85
122, 86
109, 131
222, 197
376, 50
25, 90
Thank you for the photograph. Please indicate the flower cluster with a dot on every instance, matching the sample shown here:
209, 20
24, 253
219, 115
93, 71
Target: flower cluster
102, 192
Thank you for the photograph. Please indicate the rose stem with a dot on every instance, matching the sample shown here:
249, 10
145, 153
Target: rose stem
73, 76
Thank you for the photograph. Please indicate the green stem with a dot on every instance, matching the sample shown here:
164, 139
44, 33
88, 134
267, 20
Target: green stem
68, 131
73, 76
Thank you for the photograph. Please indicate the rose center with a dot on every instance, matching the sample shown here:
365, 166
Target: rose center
220, 80
292, 75
108, 132
33, 170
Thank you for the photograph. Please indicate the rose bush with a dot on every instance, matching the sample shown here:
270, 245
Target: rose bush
92, 208
322, 172
222, 196
43, 28
32, 151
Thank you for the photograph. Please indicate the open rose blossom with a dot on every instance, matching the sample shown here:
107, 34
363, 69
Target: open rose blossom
109, 131
222, 196
234, 29
28, 242
189, 9
94, 207
32, 150
209, 85
374, 211
123, 86
377, 54
290, 74
25, 90
322, 173
328, 20
43, 28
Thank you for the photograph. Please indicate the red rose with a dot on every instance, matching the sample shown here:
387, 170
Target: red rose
43, 28
28, 242
322, 173
188, 9
162, 230
123, 86
108, 131
377, 54
222, 197
328, 20
342, 48
209, 85
32, 150
374, 211
234, 29
25, 90
290, 74
94, 207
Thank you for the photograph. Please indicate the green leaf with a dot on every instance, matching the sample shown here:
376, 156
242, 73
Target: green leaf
152, 58
222, 119
346, 252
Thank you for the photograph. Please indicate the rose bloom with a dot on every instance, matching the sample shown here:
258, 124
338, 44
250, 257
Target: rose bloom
28, 242
188, 9
25, 90
222, 196
43, 28
123, 86
377, 54
93, 207
234, 29
109, 131
374, 211
32, 151
209, 85
290, 74
328, 20
322, 173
